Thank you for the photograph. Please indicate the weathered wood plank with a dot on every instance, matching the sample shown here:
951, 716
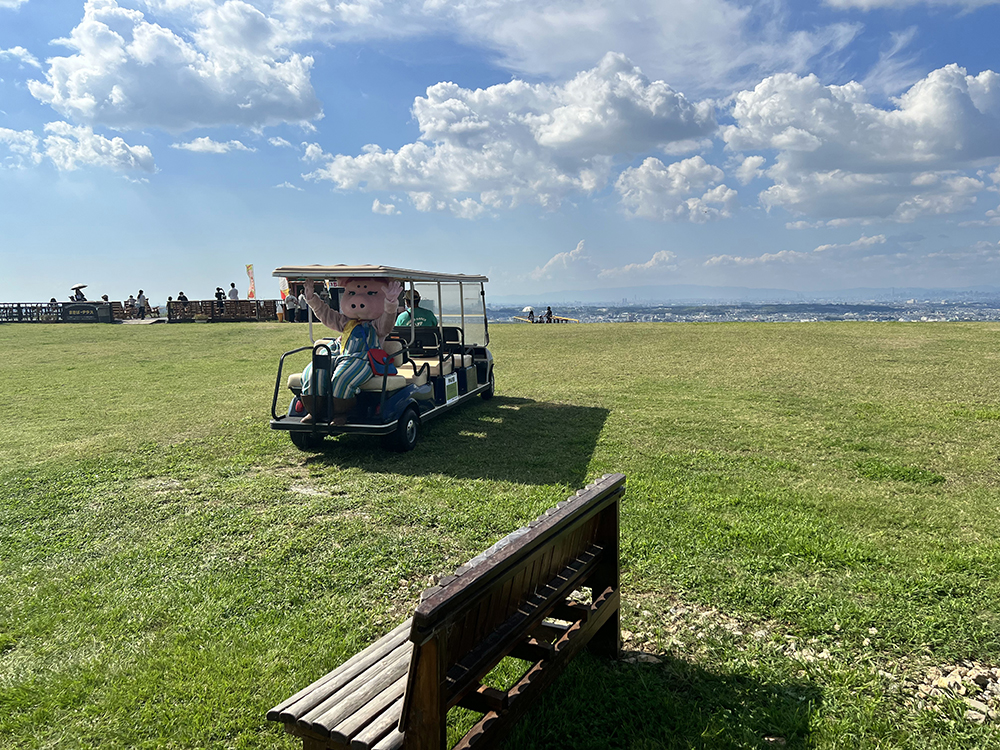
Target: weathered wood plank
570, 611
327, 684
532, 650
367, 685
367, 712
392, 741
484, 699
383, 724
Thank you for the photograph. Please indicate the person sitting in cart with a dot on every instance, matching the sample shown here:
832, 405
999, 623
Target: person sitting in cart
421, 315
370, 306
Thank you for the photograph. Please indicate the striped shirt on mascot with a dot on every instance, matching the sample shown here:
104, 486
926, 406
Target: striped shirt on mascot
367, 314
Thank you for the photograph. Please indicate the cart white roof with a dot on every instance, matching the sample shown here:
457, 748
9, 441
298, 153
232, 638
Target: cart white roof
376, 272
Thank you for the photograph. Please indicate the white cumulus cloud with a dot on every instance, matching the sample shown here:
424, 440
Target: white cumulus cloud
70, 147
732, 43
518, 143
575, 264
750, 168
21, 148
20, 53
386, 209
664, 260
679, 191
839, 156
12, 3
206, 145
73, 146
127, 72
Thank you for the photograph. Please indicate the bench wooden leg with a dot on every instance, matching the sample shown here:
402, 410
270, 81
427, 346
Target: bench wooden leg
606, 642
428, 716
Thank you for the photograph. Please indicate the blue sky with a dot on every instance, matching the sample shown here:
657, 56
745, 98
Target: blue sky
570, 144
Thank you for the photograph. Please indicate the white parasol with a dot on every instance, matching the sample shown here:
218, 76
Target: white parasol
528, 309
77, 286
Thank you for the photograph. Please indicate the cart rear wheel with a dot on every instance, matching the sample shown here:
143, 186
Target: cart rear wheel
306, 441
405, 437
488, 393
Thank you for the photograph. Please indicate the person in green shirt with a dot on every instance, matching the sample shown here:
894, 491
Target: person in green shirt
422, 316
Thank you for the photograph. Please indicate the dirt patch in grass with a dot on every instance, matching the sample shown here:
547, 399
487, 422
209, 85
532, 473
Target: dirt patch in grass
657, 625
975, 684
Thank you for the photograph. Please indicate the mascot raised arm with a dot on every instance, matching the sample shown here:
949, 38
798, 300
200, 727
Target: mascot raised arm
366, 316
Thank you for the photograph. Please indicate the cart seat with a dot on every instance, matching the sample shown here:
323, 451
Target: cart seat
406, 374
392, 383
438, 368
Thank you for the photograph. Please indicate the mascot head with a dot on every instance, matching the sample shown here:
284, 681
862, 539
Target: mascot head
364, 299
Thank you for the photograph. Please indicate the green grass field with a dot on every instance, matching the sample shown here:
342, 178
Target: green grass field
810, 529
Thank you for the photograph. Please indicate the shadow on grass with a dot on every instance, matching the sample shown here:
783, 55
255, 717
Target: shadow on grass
505, 439
599, 704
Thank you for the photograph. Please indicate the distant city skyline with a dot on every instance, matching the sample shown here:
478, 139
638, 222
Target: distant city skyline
552, 145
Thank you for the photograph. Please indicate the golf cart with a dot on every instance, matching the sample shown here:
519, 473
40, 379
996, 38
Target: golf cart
437, 367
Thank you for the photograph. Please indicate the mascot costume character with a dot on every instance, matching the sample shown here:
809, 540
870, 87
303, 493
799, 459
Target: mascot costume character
368, 311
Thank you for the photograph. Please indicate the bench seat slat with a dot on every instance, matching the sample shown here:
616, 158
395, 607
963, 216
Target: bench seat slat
392, 741
382, 725
365, 686
352, 724
288, 711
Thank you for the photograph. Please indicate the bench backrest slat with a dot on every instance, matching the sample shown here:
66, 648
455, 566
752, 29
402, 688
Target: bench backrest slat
467, 616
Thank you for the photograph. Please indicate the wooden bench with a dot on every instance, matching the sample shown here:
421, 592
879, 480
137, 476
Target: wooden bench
512, 600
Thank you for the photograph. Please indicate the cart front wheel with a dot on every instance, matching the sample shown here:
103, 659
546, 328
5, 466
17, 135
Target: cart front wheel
405, 437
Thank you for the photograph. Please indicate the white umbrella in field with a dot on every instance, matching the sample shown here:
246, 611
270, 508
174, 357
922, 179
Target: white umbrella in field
529, 308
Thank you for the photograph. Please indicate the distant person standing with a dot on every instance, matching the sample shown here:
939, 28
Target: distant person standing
220, 299
303, 306
140, 305
233, 293
291, 306
78, 296
548, 314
